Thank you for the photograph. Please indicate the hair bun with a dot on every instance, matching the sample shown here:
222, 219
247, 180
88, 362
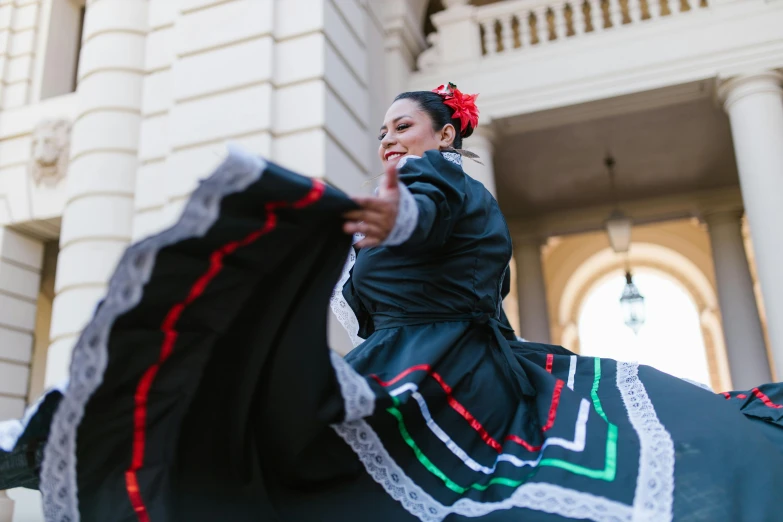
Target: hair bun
463, 106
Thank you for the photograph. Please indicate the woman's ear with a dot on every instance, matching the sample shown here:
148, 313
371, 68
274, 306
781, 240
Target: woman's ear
447, 136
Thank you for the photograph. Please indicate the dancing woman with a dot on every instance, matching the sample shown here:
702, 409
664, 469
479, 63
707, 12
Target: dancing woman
203, 388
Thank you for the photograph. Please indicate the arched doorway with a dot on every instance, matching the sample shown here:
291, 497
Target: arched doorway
671, 339
678, 251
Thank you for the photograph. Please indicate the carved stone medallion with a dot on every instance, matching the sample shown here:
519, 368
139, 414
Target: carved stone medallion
50, 152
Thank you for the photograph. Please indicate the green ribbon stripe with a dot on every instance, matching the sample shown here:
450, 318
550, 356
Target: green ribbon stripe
608, 473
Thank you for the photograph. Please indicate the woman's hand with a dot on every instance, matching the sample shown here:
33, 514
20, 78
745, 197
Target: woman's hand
376, 215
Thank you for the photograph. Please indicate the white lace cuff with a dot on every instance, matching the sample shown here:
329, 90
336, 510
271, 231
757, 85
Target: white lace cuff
407, 218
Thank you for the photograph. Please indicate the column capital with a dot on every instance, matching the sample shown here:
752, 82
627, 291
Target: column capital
527, 238
402, 30
735, 88
483, 139
485, 130
722, 216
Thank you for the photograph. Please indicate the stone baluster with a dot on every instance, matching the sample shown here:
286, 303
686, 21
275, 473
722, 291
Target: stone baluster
507, 32
635, 10
561, 30
654, 8
615, 13
542, 25
580, 24
525, 32
596, 15
490, 37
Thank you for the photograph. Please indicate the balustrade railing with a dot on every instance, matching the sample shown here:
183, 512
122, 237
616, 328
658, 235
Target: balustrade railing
520, 24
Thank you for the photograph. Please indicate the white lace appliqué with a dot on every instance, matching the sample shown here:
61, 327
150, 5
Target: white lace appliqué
653, 499
58, 473
339, 305
11, 430
654, 496
453, 157
357, 394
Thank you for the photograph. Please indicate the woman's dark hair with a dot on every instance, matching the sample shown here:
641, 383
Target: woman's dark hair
440, 113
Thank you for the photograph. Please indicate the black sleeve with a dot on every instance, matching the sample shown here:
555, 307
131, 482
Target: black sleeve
438, 187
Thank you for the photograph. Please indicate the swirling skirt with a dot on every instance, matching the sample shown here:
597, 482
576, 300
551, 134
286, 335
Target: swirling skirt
203, 389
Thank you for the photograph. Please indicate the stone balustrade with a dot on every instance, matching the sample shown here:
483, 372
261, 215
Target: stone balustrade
518, 25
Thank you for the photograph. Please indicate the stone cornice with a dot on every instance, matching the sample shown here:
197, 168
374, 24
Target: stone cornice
645, 211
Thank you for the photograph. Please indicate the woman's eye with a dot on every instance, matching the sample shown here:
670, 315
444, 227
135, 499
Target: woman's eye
381, 136
402, 126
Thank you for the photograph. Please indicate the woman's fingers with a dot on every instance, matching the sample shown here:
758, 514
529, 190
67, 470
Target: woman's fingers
367, 243
370, 230
374, 203
391, 178
375, 216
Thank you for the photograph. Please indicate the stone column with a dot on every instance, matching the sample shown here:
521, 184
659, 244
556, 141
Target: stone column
459, 36
97, 220
742, 331
18, 31
6, 508
531, 291
481, 142
402, 45
755, 107
20, 275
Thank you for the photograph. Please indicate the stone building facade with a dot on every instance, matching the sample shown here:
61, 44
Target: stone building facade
111, 111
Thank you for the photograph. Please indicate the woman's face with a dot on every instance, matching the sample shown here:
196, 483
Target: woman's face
407, 130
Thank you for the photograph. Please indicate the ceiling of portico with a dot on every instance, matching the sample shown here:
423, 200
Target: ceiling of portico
662, 151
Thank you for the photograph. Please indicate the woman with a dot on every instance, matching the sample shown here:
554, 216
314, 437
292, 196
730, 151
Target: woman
203, 389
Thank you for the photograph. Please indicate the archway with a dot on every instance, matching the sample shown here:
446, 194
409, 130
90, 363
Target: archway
671, 339
597, 264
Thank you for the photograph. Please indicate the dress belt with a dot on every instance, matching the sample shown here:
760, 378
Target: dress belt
502, 354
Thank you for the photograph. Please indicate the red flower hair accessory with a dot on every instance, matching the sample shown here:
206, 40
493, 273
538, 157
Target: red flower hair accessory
464, 105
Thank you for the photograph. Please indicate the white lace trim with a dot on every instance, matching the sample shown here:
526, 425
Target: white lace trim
404, 160
538, 496
11, 430
339, 305
357, 394
453, 157
653, 498
407, 217
58, 473
655, 484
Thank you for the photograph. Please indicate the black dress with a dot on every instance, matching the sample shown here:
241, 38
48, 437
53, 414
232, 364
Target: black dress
203, 389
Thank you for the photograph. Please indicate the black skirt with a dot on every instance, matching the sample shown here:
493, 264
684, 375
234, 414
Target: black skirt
203, 389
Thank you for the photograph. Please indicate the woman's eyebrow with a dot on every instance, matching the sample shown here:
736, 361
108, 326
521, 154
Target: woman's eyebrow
395, 120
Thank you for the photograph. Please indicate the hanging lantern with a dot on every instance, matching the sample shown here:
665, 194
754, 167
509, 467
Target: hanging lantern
618, 228
632, 304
